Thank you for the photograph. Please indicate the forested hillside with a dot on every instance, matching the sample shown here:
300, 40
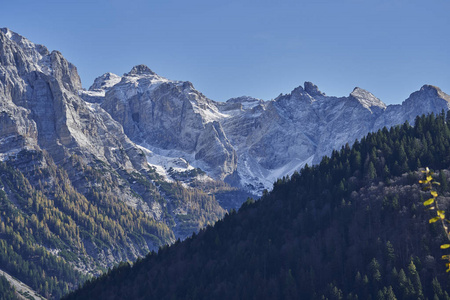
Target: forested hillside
351, 227
57, 228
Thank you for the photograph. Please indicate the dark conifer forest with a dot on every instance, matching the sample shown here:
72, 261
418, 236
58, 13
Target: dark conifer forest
351, 227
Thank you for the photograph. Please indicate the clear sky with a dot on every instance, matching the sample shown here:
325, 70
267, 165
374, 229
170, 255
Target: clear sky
257, 48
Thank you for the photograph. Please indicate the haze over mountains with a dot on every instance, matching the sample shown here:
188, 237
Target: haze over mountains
139, 160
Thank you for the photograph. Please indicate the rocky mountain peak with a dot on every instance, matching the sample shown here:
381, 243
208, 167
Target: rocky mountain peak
429, 87
20, 54
366, 98
432, 90
312, 89
24, 43
11, 34
65, 71
298, 91
6, 31
105, 82
245, 101
429, 97
140, 70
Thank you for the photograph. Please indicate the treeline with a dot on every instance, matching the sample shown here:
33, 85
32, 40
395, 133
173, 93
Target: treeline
48, 228
55, 219
351, 227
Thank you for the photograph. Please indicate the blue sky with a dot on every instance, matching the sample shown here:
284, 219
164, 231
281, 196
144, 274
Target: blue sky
255, 48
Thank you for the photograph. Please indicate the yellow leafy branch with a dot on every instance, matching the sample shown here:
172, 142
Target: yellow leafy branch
433, 204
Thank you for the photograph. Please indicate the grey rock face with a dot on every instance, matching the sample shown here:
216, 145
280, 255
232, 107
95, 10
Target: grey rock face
171, 115
40, 107
247, 141
140, 70
312, 89
214, 148
105, 82
277, 137
101, 85
427, 100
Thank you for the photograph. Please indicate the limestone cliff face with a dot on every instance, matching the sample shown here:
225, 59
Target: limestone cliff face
40, 108
172, 116
249, 142
275, 138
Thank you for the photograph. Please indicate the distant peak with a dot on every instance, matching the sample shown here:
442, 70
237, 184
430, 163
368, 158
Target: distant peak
105, 81
6, 31
108, 75
367, 99
141, 70
243, 99
312, 89
11, 34
432, 90
359, 91
429, 87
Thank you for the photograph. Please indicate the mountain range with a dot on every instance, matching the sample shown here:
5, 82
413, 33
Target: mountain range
138, 160
247, 142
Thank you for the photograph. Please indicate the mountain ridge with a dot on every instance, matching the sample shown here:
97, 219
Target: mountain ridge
236, 113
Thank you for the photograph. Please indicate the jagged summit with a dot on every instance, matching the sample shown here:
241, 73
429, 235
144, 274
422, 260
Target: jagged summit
140, 70
10, 34
427, 93
30, 56
17, 37
243, 99
105, 82
429, 87
312, 89
24, 43
435, 91
256, 140
40, 92
308, 92
366, 98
